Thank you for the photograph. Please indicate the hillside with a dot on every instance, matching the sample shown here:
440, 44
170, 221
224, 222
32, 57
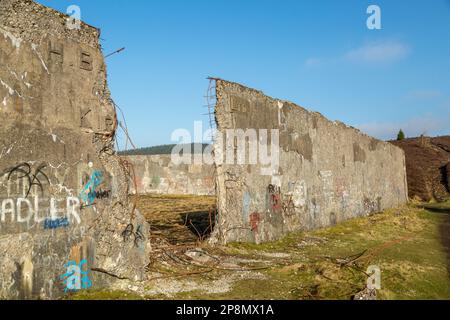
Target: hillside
155, 150
428, 167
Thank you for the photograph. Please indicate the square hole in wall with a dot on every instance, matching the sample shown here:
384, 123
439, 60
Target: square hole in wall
86, 61
56, 53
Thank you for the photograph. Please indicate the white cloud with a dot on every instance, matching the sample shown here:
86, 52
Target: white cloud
379, 52
313, 62
424, 94
427, 125
373, 52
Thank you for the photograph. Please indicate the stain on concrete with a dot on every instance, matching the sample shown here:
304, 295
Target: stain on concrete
373, 145
359, 155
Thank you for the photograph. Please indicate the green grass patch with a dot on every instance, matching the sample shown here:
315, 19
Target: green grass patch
409, 244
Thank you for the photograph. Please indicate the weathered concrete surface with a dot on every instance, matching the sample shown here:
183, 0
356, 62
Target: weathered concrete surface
157, 174
328, 172
63, 191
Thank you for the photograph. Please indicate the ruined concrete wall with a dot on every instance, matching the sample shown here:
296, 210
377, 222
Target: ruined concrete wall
156, 174
328, 172
63, 191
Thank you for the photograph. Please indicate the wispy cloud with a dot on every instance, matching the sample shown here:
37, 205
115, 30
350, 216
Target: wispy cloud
427, 125
313, 62
424, 94
378, 52
373, 52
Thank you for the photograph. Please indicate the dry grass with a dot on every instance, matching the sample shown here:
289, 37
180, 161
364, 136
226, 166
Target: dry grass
409, 244
179, 219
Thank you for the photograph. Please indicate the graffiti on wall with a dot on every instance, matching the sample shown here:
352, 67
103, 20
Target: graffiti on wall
372, 206
55, 224
101, 194
287, 203
275, 202
88, 193
246, 202
33, 176
342, 194
75, 278
24, 210
25, 202
255, 219
288, 206
299, 192
327, 185
129, 232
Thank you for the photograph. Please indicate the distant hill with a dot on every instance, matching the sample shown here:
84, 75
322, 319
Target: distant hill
427, 167
156, 150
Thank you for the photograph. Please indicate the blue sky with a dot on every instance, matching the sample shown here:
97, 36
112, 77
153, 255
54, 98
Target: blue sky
318, 54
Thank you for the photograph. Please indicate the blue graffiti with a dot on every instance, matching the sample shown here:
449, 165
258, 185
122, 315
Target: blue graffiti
246, 201
75, 278
88, 194
55, 224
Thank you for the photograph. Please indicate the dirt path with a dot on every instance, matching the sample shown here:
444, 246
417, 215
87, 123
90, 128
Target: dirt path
444, 228
445, 238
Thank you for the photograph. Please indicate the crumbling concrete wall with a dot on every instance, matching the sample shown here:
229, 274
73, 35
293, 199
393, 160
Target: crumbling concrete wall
328, 172
63, 192
157, 174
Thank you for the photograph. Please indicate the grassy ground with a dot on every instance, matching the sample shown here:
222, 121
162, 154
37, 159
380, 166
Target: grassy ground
410, 245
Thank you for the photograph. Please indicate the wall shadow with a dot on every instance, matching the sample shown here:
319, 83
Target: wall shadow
200, 223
